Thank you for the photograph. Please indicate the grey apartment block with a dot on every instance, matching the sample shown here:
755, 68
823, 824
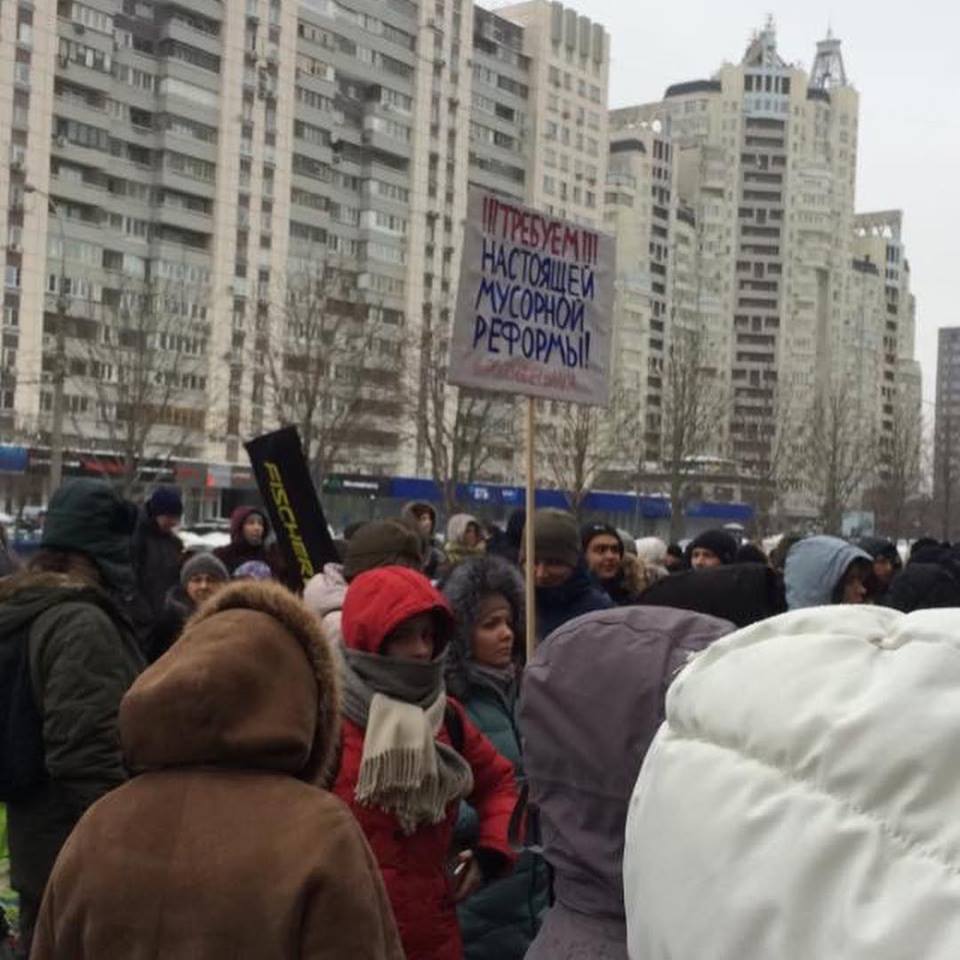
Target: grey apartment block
196, 162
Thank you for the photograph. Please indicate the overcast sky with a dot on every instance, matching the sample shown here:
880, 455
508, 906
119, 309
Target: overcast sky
904, 66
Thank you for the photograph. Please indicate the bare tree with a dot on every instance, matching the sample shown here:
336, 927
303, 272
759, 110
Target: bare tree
693, 414
763, 447
464, 432
145, 367
900, 470
333, 370
834, 448
582, 444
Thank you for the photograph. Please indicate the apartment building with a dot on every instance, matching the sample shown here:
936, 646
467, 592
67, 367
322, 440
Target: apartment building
178, 171
793, 291
640, 211
570, 68
946, 473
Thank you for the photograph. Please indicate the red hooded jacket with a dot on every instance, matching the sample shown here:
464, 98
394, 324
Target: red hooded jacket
415, 868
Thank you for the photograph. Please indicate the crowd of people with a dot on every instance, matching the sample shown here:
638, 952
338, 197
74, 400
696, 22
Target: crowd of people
198, 761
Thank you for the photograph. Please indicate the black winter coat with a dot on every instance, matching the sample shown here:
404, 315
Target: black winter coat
169, 625
742, 593
579, 595
156, 562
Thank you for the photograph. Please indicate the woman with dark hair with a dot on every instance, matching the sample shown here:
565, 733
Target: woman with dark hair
483, 672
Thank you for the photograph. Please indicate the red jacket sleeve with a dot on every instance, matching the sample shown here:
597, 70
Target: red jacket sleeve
494, 788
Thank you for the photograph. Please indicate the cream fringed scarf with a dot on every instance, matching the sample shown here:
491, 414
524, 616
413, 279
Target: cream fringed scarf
404, 770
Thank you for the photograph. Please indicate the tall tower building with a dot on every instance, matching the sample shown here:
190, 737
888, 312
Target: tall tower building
570, 68
765, 158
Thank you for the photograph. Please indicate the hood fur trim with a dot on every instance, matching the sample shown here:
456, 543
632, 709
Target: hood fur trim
42, 580
276, 601
466, 587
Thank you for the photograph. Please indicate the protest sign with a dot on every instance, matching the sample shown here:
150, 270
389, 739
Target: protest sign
535, 304
291, 500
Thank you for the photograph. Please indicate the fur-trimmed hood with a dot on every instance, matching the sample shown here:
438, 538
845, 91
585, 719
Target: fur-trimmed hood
28, 593
251, 684
466, 587
457, 528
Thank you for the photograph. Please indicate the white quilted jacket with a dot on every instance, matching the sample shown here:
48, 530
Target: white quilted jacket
802, 800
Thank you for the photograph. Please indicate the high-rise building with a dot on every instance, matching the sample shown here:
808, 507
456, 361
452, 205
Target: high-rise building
569, 71
793, 292
946, 472
191, 186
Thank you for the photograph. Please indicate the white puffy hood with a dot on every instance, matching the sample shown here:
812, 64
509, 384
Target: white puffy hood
802, 799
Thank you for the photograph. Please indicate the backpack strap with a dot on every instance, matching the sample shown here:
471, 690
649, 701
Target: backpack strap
453, 720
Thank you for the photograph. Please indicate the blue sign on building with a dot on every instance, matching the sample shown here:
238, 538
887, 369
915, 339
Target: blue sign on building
14, 459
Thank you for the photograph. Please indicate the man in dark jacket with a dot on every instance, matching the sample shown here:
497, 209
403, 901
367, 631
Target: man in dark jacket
60, 621
564, 587
603, 550
712, 548
157, 550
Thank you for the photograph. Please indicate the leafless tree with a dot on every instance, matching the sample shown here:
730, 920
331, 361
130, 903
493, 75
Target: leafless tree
900, 471
581, 444
835, 451
144, 366
763, 447
463, 432
333, 368
693, 415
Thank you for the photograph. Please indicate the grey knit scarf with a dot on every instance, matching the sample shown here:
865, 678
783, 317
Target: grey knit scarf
400, 705
502, 680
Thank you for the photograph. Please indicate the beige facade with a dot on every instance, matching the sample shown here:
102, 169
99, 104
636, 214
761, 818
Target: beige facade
570, 68
791, 290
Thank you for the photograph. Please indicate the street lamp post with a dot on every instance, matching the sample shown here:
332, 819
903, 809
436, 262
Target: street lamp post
60, 357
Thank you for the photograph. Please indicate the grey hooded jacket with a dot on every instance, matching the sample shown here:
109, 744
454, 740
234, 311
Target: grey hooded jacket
592, 700
815, 567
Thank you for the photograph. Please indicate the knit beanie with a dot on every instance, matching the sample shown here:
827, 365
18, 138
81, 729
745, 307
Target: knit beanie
203, 563
382, 543
165, 502
556, 538
718, 542
591, 530
90, 517
253, 570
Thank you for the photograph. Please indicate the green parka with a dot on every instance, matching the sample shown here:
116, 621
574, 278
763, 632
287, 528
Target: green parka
83, 658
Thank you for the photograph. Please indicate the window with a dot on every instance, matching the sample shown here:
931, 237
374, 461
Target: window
72, 52
92, 19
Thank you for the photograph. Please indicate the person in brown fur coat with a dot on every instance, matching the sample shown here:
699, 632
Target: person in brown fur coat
222, 845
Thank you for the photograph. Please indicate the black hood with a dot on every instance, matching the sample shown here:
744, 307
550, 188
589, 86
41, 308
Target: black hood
742, 593
923, 586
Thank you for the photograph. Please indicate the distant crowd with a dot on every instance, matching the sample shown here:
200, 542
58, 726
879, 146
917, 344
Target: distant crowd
199, 760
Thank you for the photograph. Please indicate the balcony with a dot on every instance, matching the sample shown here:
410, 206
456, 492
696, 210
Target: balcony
186, 219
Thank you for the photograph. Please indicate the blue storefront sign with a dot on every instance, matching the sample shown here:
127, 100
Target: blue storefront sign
14, 459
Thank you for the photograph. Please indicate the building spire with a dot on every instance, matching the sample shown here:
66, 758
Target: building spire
828, 70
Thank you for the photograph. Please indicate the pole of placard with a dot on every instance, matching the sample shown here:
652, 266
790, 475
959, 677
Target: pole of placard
528, 536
